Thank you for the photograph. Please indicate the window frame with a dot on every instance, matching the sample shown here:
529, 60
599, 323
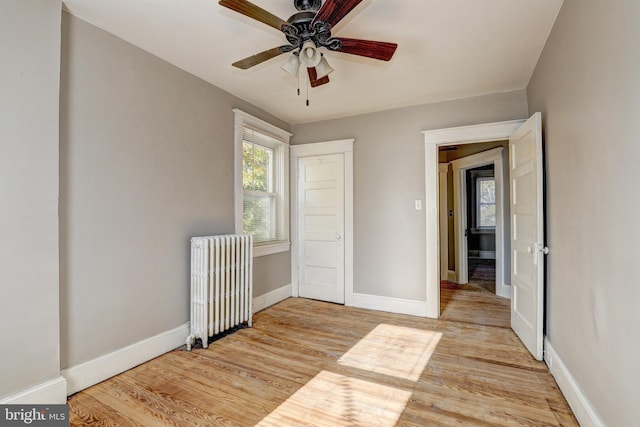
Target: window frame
280, 175
479, 204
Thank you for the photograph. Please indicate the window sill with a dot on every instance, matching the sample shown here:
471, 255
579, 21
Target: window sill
263, 249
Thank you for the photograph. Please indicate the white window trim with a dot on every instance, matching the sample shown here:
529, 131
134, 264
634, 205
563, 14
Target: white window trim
281, 161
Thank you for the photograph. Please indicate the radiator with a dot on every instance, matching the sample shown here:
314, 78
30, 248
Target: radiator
221, 285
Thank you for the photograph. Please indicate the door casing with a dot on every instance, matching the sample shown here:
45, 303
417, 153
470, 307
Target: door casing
487, 132
345, 147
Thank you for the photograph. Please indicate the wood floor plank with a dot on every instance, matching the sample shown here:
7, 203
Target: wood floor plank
478, 374
85, 410
456, 301
189, 404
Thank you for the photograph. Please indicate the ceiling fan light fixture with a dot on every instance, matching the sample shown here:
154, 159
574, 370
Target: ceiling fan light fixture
292, 66
306, 31
323, 68
309, 55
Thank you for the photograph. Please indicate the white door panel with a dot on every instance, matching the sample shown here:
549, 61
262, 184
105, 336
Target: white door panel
321, 227
321, 198
527, 234
321, 224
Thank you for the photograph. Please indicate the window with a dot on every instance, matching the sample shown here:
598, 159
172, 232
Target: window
486, 202
262, 184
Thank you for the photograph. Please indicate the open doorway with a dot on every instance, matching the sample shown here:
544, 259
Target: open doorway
480, 229
474, 232
527, 246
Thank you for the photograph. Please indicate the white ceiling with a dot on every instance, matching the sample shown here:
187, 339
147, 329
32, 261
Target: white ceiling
447, 49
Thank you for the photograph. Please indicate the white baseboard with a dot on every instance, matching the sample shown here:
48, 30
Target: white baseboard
580, 405
270, 298
52, 392
503, 291
451, 276
94, 371
390, 304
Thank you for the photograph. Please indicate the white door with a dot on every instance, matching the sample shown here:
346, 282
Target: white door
321, 227
527, 234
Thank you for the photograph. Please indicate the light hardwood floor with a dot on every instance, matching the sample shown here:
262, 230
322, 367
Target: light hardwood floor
472, 303
311, 363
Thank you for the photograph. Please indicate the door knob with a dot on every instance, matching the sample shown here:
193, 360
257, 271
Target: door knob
338, 237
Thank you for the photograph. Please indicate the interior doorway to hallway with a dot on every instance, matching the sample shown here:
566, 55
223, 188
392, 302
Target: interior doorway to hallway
527, 243
474, 224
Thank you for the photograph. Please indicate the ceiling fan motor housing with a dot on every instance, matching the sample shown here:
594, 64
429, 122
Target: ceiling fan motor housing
304, 5
302, 28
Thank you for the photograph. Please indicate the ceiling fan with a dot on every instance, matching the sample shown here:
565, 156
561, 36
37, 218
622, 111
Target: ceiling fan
306, 31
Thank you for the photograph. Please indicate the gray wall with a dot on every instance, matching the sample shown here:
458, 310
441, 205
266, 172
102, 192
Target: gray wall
146, 158
389, 247
29, 81
271, 272
587, 87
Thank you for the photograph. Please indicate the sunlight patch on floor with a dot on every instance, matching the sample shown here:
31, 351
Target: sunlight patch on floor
334, 400
397, 351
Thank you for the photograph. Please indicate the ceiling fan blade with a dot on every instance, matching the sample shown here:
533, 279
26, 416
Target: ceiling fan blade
259, 58
371, 49
314, 80
332, 11
252, 11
